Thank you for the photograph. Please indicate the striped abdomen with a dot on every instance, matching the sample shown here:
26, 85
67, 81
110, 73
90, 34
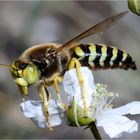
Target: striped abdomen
99, 56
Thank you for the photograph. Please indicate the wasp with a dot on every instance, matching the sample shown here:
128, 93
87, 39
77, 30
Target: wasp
46, 64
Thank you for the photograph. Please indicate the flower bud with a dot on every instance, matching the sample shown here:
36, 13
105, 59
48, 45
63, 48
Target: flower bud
30, 74
75, 116
21, 81
134, 6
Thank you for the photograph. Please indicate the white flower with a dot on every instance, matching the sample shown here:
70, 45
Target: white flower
35, 111
98, 107
98, 104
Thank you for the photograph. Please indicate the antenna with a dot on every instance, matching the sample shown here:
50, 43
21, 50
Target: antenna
5, 65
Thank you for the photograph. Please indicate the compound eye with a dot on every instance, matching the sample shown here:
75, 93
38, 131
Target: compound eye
30, 74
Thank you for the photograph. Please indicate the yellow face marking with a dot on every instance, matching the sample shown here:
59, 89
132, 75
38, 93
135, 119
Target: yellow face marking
124, 56
104, 54
79, 52
20, 73
92, 49
115, 52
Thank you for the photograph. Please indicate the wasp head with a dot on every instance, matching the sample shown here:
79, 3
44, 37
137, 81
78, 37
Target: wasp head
24, 74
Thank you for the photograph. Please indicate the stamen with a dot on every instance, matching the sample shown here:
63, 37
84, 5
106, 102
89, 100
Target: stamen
101, 99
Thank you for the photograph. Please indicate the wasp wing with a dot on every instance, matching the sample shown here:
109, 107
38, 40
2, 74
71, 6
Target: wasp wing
93, 30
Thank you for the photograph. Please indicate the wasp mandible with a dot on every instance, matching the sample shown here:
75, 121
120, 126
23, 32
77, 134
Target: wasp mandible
46, 64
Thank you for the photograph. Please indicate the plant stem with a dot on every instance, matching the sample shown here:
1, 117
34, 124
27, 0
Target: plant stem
94, 131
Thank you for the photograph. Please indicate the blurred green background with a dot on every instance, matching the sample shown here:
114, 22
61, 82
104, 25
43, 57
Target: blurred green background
27, 23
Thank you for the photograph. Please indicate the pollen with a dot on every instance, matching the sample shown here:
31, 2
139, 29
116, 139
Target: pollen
31, 69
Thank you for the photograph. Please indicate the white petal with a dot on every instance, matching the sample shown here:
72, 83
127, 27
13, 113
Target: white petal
30, 108
115, 125
132, 108
35, 111
72, 86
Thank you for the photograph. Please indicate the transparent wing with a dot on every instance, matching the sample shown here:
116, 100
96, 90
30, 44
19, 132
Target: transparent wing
93, 30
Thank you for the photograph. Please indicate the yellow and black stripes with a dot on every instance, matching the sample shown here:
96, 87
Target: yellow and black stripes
100, 56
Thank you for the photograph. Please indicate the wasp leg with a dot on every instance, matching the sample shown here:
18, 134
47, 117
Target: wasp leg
75, 63
45, 96
60, 80
56, 80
